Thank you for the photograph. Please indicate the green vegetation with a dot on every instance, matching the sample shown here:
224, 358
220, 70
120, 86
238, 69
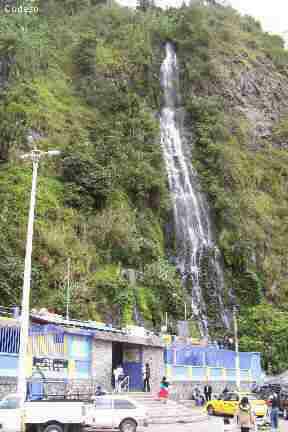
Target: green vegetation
85, 78
265, 330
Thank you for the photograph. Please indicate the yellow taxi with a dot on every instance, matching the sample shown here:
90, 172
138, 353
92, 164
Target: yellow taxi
227, 404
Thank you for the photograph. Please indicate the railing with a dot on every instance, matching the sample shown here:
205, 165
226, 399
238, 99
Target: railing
202, 373
124, 384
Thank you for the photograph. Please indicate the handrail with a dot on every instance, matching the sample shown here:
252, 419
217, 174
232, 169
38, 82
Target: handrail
122, 382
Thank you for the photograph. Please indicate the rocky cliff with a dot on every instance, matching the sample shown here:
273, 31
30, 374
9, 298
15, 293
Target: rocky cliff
84, 78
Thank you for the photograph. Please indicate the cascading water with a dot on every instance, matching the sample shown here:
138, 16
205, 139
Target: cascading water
194, 239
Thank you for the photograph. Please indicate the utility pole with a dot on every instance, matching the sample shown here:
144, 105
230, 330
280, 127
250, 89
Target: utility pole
68, 288
237, 358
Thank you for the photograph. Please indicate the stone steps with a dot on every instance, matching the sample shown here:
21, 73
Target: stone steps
167, 413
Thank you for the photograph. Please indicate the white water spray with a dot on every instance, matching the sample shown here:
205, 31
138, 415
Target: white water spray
191, 213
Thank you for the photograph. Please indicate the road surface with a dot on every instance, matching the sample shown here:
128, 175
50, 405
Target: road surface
211, 425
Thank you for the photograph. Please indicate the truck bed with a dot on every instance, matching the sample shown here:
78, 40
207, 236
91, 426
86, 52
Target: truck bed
70, 412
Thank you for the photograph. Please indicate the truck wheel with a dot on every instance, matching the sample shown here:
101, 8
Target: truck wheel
54, 427
128, 426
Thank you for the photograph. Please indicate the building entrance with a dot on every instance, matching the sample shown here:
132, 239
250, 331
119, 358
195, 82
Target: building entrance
117, 358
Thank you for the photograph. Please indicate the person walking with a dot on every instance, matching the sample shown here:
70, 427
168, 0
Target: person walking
274, 414
245, 416
164, 392
206, 392
209, 392
146, 376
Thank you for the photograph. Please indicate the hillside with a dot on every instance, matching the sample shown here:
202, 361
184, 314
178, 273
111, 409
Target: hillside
84, 78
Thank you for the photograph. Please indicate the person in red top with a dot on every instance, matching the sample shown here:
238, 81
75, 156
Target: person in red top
164, 392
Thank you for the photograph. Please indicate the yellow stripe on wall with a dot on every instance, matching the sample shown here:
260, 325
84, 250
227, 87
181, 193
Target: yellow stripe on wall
65, 345
71, 369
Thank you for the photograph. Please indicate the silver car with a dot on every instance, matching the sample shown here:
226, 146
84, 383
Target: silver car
115, 412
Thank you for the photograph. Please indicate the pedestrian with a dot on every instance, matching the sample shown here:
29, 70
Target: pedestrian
209, 392
118, 376
164, 392
121, 376
146, 376
245, 416
274, 414
206, 392
99, 391
225, 391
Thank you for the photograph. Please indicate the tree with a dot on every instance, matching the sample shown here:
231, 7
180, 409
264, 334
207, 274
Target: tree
264, 328
145, 4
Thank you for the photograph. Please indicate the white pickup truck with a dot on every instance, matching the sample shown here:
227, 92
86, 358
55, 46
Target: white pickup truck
41, 416
113, 412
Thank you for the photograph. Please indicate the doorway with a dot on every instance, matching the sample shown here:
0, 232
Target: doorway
117, 358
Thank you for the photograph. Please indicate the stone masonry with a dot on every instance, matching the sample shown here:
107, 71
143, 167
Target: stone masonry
154, 356
101, 367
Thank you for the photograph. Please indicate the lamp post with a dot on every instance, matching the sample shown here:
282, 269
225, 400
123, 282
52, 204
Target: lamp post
237, 358
35, 155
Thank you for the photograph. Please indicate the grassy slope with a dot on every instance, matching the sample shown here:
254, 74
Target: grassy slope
87, 80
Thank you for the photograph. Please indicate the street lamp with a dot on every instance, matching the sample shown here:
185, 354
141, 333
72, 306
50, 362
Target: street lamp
35, 155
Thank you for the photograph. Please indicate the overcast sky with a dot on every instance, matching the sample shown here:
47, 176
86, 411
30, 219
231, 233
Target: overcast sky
273, 14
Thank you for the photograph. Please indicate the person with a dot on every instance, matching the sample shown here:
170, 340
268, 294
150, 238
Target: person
245, 416
164, 392
118, 377
207, 392
99, 391
225, 390
146, 382
274, 414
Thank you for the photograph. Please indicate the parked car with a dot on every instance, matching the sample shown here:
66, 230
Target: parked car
227, 404
115, 412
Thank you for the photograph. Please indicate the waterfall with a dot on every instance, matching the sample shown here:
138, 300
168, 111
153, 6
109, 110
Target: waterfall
194, 238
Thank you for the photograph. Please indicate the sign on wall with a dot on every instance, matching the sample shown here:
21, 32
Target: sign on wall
51, 367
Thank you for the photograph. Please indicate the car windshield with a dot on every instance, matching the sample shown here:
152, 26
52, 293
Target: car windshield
250, 397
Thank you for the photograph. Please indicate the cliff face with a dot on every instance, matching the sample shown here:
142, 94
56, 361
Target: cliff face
87, 81
258, 92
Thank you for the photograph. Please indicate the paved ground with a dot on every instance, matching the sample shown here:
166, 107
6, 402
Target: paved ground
212, 425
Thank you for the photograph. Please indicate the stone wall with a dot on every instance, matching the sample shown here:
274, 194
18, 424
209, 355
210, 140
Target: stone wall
7, 385
184, 389
101, 363
155, 358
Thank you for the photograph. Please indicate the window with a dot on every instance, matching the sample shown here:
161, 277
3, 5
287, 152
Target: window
103, 403
123, 404
231, 397
251, 397
9, 403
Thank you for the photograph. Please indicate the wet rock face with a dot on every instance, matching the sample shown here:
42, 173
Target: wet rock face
255, 90
259, 93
